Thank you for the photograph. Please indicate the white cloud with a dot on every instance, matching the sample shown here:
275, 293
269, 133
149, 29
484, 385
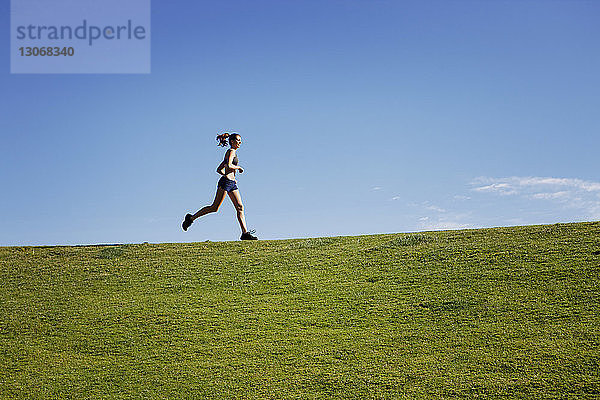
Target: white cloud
396, 198
500, 188
448, 220
548, 196
435, 208
426, 205
376, 188
515, 184
445, 225
574, 183
577, 194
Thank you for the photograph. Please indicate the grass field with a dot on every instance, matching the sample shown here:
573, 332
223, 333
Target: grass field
490, 313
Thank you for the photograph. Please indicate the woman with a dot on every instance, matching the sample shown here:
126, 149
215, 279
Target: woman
227, 184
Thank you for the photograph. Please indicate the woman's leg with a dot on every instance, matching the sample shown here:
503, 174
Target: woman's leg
214, 207
236, 198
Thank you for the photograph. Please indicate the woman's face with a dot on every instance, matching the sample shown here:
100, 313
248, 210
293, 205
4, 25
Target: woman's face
236, 142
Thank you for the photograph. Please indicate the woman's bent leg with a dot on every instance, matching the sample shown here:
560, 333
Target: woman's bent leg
236, 199
214, 207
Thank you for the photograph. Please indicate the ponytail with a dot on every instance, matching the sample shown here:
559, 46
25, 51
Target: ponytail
225, 138
222, 139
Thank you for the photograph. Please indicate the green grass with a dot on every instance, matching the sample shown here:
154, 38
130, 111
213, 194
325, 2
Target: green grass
490, 313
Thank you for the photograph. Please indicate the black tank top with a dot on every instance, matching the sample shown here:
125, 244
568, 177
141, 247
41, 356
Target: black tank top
235, 159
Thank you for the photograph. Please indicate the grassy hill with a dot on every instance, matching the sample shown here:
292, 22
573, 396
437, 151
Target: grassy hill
505, 312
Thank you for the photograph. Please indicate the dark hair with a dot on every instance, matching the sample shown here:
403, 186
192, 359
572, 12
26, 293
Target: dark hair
226, 137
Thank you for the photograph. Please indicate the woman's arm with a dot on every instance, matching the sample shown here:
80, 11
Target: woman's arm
221, 168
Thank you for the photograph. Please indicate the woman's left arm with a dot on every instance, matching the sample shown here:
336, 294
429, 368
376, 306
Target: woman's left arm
221, 168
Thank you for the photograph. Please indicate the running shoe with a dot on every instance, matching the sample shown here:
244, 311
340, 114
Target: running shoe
248, 235
187, 222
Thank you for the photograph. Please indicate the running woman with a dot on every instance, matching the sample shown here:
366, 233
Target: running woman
227, 185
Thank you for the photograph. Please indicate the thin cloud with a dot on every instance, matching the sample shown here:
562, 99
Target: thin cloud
461, 197
500, 188
441, 225
568, 192
435, 208
550, 196
516, 184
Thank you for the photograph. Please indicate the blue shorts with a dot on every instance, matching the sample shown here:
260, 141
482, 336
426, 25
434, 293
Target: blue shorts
227, 184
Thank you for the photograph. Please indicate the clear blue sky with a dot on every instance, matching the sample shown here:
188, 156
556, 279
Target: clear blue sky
357, 117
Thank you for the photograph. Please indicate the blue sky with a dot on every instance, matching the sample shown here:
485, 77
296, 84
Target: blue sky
357, 117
